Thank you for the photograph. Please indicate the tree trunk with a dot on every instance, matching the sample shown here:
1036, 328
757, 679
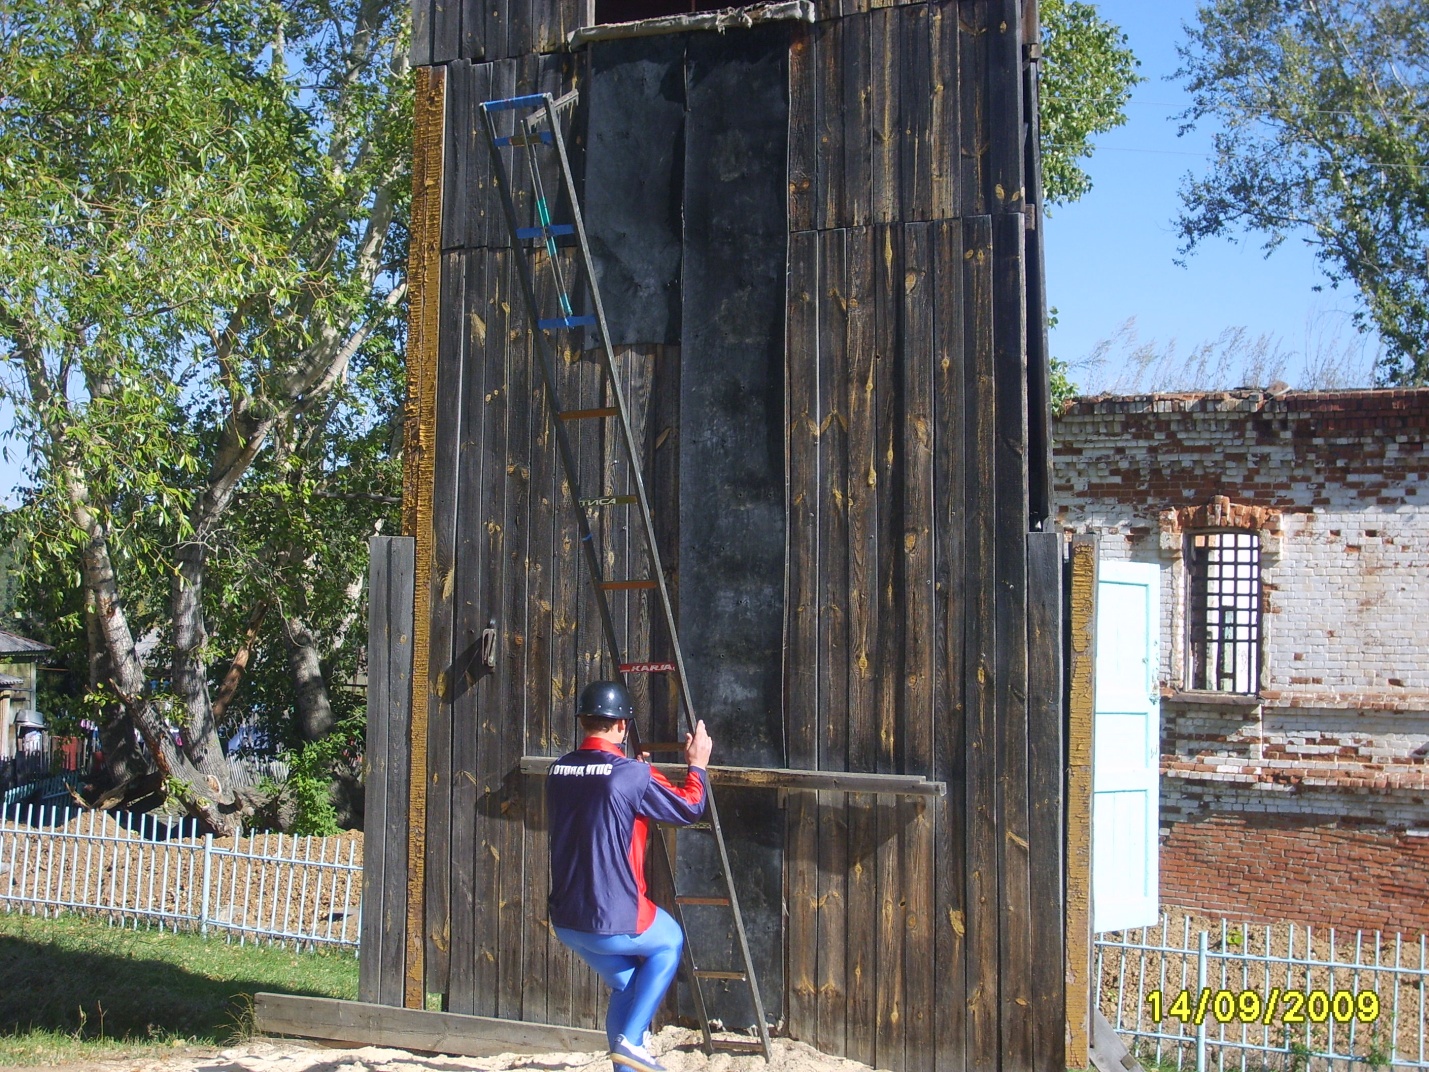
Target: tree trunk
123, 760
315, 717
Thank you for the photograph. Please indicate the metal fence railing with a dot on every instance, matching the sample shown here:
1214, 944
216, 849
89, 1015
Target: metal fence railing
273, 887
1257, 997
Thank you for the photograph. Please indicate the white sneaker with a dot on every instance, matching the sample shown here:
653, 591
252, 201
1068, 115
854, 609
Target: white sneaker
638, 1058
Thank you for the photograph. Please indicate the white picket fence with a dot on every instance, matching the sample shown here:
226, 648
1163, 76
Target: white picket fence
304, 891
1244, 997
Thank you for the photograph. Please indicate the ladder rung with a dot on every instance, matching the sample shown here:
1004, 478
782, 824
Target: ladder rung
713, 902
650, 668
582, 414
556, 322
556, 229
541, 137
739, 976
510, 104
662, 746
615, 500
624, 586
737, 1045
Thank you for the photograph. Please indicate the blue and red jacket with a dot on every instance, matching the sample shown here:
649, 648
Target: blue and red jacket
599, 805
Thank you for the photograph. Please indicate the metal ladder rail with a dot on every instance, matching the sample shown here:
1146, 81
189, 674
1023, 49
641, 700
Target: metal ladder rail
531, 139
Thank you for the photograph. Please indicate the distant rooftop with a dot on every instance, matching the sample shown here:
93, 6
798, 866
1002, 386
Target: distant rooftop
17, 647
1362, 402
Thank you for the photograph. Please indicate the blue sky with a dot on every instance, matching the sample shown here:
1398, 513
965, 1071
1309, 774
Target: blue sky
1110, 256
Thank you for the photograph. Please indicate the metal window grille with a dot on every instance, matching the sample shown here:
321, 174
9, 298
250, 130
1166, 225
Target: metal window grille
1224, 612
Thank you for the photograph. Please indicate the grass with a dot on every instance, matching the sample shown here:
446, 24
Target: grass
75, 988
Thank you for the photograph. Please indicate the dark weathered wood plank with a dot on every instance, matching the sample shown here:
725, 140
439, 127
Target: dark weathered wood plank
446, 30
891, 997
831, 127
802, 614
888, 472
943, 114
950, 585
831, 971
380, 650
885, 51
453, 357
421, 53
459, 156
1005, 117
802, 862
1039, 365
458, 784
1081, 988
862, 510
980, 668
523, 25
1010, 360
915, 113
856, 206
1045, 771
662, 454
414, 1029
973, 17
493, 31
510, 693
862, 927
915, 358
806, 48
831, 414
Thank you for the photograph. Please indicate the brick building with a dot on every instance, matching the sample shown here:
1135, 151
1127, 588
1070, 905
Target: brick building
1292, 532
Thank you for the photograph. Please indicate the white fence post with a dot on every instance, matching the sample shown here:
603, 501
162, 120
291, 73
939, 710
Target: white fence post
207, 873
1200, 999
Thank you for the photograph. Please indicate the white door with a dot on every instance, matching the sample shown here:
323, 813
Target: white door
1127, 747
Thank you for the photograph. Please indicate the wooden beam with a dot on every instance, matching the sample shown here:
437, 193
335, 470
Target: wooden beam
363, 1024
1081, 626
418, 475
724, 19
787, 778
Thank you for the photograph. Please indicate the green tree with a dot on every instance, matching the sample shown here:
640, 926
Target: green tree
197, 200
1088, 71
1322, 114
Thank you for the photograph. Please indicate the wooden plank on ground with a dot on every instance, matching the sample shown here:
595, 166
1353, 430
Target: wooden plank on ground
1045, 772
415, 1029
980, 668
950, 584
1009, 315
418, 460
1081, 703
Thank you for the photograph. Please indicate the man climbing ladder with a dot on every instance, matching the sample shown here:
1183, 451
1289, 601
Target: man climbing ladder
600, 804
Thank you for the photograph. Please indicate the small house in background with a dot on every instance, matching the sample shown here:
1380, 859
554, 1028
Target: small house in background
1290, 532
19, 659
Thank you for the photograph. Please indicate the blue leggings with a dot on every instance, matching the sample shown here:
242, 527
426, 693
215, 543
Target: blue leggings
638, 968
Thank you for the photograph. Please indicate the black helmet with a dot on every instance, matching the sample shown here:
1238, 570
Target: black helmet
605, 699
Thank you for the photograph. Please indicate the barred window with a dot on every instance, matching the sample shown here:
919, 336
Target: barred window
1223, 618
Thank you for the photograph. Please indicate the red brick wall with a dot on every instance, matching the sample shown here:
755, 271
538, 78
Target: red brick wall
1270, 868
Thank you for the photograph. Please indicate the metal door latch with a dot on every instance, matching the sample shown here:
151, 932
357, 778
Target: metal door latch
488, 645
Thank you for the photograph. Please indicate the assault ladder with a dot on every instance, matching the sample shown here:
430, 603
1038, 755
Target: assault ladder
536, 130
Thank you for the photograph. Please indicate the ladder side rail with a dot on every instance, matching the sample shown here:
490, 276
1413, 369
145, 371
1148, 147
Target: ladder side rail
608, 361
653, 552
548, 377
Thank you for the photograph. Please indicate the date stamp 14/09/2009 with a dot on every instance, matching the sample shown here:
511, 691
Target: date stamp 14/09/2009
1255, 1007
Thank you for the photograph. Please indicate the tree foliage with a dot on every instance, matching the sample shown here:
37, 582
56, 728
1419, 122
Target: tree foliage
1088, 72
199, 276
1322, 109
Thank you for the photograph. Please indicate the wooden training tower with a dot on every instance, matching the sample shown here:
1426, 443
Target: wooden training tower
817, 230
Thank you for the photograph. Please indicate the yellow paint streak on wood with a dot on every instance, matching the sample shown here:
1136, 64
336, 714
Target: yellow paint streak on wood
1079, 802
418, 475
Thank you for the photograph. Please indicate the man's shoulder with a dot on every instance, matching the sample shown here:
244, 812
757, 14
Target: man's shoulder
593, 762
